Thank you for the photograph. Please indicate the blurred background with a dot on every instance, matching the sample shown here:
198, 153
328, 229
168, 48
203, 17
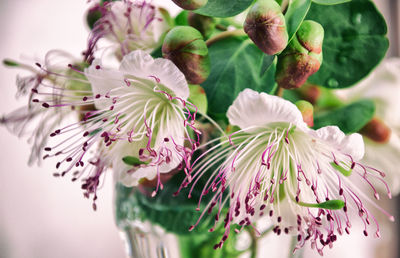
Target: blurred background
42, 216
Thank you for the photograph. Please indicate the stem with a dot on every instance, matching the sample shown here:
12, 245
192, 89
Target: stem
280, 92
266, 232
209, 119
225, 34
293, 243
299, 252
221, 27
254, 243
233, 22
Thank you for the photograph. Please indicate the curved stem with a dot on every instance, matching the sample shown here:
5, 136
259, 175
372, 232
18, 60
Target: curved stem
225, 34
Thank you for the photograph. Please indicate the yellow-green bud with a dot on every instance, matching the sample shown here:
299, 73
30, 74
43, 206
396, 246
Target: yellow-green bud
186, 48
307, 111
302, 57
266, 26
190, 4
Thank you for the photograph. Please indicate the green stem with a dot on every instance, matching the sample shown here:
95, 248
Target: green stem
266, 232
232, 22
280, 91
225, 34
299, 252
254, 242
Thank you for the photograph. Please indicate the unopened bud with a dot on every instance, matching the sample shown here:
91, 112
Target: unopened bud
266, 26
303, 56
307, 111
310, 93
204, 24
190, 4
186, 48
377, 131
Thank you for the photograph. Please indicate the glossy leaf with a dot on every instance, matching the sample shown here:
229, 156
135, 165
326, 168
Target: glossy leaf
295, 14
236, 64
224, 8
330, 2
349, 119
355, 42
174, 213
182, 18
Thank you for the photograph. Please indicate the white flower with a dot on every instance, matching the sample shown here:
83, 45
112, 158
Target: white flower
383, 87
129, 25
139, 113
274, 165
53, 81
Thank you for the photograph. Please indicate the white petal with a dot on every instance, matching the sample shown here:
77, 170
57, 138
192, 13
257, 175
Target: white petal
132, 179
102, 82
352, 144
140, 64
171, 131
251, 109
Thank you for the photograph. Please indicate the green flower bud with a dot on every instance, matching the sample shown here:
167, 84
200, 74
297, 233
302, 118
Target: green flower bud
204, 24
266, 26
302, 57
185, 47
311, 36
190, 4
307, 111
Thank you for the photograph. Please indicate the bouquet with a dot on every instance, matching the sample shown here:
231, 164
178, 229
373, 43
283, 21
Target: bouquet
229, 119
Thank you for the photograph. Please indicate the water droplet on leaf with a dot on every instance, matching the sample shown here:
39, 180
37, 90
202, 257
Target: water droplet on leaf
333, 83
356, 19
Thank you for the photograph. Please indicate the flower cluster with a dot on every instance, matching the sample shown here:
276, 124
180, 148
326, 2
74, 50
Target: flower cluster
260, 157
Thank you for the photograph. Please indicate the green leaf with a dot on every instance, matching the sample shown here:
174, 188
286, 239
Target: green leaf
182, 19
330, 2
349, 119
355, 42
133, 161
236, 64
174, 214
224, 8
295, 14
198, 98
